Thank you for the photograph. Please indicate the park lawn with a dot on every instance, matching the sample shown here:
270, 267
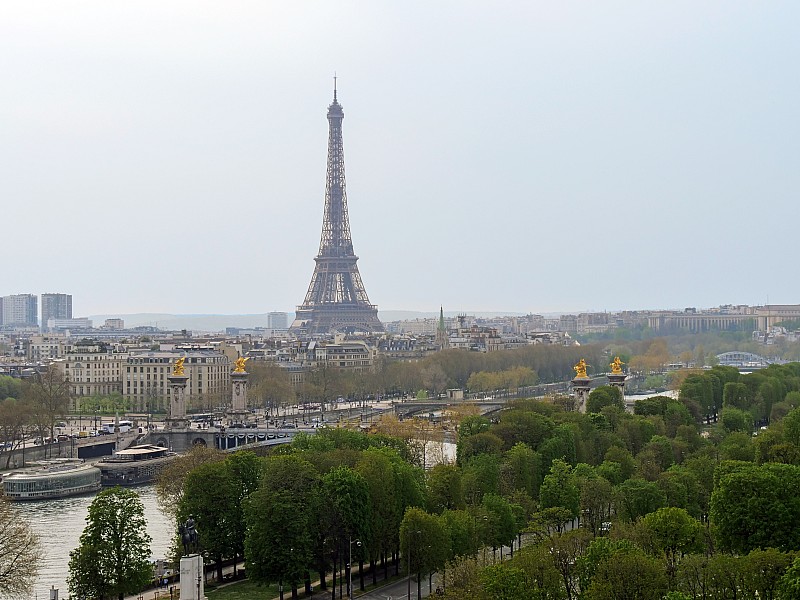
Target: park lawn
245, 590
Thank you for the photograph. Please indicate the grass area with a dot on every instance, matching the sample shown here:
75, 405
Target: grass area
245, 590
249, 590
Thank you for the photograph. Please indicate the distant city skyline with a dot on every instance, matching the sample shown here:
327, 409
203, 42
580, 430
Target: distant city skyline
527, 157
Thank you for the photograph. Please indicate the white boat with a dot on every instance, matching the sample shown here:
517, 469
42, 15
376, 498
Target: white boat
54, 479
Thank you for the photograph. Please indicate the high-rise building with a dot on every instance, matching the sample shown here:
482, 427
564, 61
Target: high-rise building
277, 320
336, 300
21, 310
56, 306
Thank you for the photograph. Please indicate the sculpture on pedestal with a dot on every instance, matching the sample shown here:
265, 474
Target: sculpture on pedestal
189, 536
580, 369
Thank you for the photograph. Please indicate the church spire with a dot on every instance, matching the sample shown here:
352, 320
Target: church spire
442, 339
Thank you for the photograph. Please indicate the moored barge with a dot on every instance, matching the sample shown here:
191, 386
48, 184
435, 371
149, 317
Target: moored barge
135, 465
55, 479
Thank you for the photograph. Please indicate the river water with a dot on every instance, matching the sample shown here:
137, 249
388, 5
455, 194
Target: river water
59, 524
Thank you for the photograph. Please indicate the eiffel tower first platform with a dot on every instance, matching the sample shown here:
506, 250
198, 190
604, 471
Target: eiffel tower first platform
336, 300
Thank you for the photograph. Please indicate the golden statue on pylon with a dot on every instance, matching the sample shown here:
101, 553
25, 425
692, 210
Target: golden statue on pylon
616, 366
177, 368
580, 369
240, 364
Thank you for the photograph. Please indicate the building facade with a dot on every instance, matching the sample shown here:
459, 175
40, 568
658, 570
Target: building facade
144, 378
92, 369
56, 306
20, 310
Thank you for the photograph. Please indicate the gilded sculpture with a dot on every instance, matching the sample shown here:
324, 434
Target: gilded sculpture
580, 369
240, 364
616, 366
177, 368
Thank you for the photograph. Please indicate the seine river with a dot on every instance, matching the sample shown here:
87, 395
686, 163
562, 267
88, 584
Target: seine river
59, 524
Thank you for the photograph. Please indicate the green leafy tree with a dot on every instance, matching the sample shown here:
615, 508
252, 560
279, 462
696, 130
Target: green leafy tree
280, 516
424, 542
789, 585
501, 525
736, 395
559, 489
734, 419
245, 470
346, 510
445, 491
460, 527
627, 574
505, 582
605, 395
756, 506
375, 466
523, 468
113, 559
672, 532
635, 498
596, 502
209, 496
762, 572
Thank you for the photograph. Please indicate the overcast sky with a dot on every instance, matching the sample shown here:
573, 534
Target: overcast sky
519, 156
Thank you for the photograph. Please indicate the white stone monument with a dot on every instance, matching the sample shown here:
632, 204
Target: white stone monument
192, 580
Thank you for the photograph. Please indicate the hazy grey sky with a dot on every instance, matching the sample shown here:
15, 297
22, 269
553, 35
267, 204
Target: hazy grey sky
521, 156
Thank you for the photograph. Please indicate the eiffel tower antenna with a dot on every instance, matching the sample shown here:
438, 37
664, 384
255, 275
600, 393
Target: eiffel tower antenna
336, 300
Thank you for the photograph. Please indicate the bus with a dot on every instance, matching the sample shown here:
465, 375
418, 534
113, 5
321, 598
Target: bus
124, 427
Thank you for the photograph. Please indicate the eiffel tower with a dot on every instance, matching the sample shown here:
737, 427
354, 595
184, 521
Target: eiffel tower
336, 300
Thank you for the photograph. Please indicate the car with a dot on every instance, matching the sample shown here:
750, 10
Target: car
61, 424
62, 437
270, 436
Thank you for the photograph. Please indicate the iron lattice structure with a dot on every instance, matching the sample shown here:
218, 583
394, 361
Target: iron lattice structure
336, 300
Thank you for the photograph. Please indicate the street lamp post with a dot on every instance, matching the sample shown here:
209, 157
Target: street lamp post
350, 566
411, 543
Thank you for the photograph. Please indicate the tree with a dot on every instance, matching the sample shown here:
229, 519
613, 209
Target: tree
559, 489
605, 395
210, 494
789, 585
501, 526
170, 482
345, 510
674, 533
19, 552
424, 542
635, 498
15, 421
756, 506
733, 419
504, 582
48, 396
375, 467
627, 574
280, 517
445, 491
113, 558
269, 385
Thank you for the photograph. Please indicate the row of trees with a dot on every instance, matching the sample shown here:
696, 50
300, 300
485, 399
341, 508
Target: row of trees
31, 407
508, 369
756, 398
